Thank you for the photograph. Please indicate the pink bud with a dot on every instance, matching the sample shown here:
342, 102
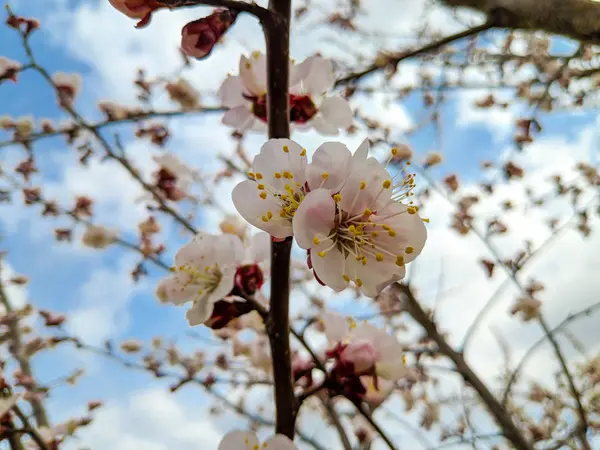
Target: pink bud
361, 353
200, 36
137, 9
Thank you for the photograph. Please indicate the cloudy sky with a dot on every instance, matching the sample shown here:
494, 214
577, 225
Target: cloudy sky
96, 290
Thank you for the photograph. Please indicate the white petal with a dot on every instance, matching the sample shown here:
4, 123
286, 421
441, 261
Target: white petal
360, 155
240, 117
198, 252
177, 289
354, 199
280, 155
391, 370
329, 268
224, 287
332, 158
337, 112
321, 76
279, 442
229, 250
314, 218
231, 92
253, 76
410, 231
199, 313
298, 73
322, 126
252, 207
336, 327
239, 440
374, 275
259, 249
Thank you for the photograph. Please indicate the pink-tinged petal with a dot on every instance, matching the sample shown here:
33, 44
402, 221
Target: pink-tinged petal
246, 198
198, 252
362, 353
332, 159
231, 92
229, 250
281, 155
410, 231
314, 218
329, 268
360, 155
298, 73
259, 126
248, 75
364, 188
337, 112
224, 287
177, 289
279, 442
240, 118
259, 65
321, 76
336, 327
391, 370
376, 395
239, 440
259, 250
323, 127
375, 275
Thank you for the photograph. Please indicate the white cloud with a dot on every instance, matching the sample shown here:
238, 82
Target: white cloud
102, 301
152, 419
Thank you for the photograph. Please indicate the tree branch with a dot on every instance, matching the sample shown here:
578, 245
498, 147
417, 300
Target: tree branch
236, 5
578, 19
510, 430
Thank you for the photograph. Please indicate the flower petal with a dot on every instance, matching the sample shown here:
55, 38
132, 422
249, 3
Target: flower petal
279, 442
240, 117
239, 440
332, 159
259, 250
229, 250
321, 76
337, 112
281, 155
176, 289
323, 127
364, 188
252, 76
336, 327
314, 218
329, 268
231, 92
253, 208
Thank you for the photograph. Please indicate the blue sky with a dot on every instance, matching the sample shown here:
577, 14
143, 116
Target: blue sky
90, 38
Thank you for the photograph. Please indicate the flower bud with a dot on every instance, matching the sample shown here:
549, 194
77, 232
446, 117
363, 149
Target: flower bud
200, 36
137, 9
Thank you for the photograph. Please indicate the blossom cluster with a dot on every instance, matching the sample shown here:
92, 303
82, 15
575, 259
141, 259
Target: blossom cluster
346, 210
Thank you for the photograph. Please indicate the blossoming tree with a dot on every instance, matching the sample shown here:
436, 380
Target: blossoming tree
328, 222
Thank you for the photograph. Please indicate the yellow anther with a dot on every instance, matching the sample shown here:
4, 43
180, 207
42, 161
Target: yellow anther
359, 282
282, 213
394, 151
379, 257
363, 184
352, 229
351, 323
425, 219
277, 175
387, 184
400, 260
392, 233
412, 210
172, 269
375, 234
269, 214
322, 253
265, 219
286, 149
324, 175
346, 278
260, 186
287, 175
248, 65
284, 197
386, 227
303, 152
316, 240
337, 198
256, 54
367, 212
404, 359
251, 175
259, 176
409, 250
263, 195
364, 260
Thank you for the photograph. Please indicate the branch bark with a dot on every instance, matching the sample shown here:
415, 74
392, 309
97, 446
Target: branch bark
277, 36
510, 430
577, 19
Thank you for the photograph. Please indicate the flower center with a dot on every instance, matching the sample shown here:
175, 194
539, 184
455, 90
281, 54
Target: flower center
302, 108
366, 236
206, 280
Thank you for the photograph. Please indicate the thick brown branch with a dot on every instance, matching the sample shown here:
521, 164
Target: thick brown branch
510, 430
578, 19
237, 5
